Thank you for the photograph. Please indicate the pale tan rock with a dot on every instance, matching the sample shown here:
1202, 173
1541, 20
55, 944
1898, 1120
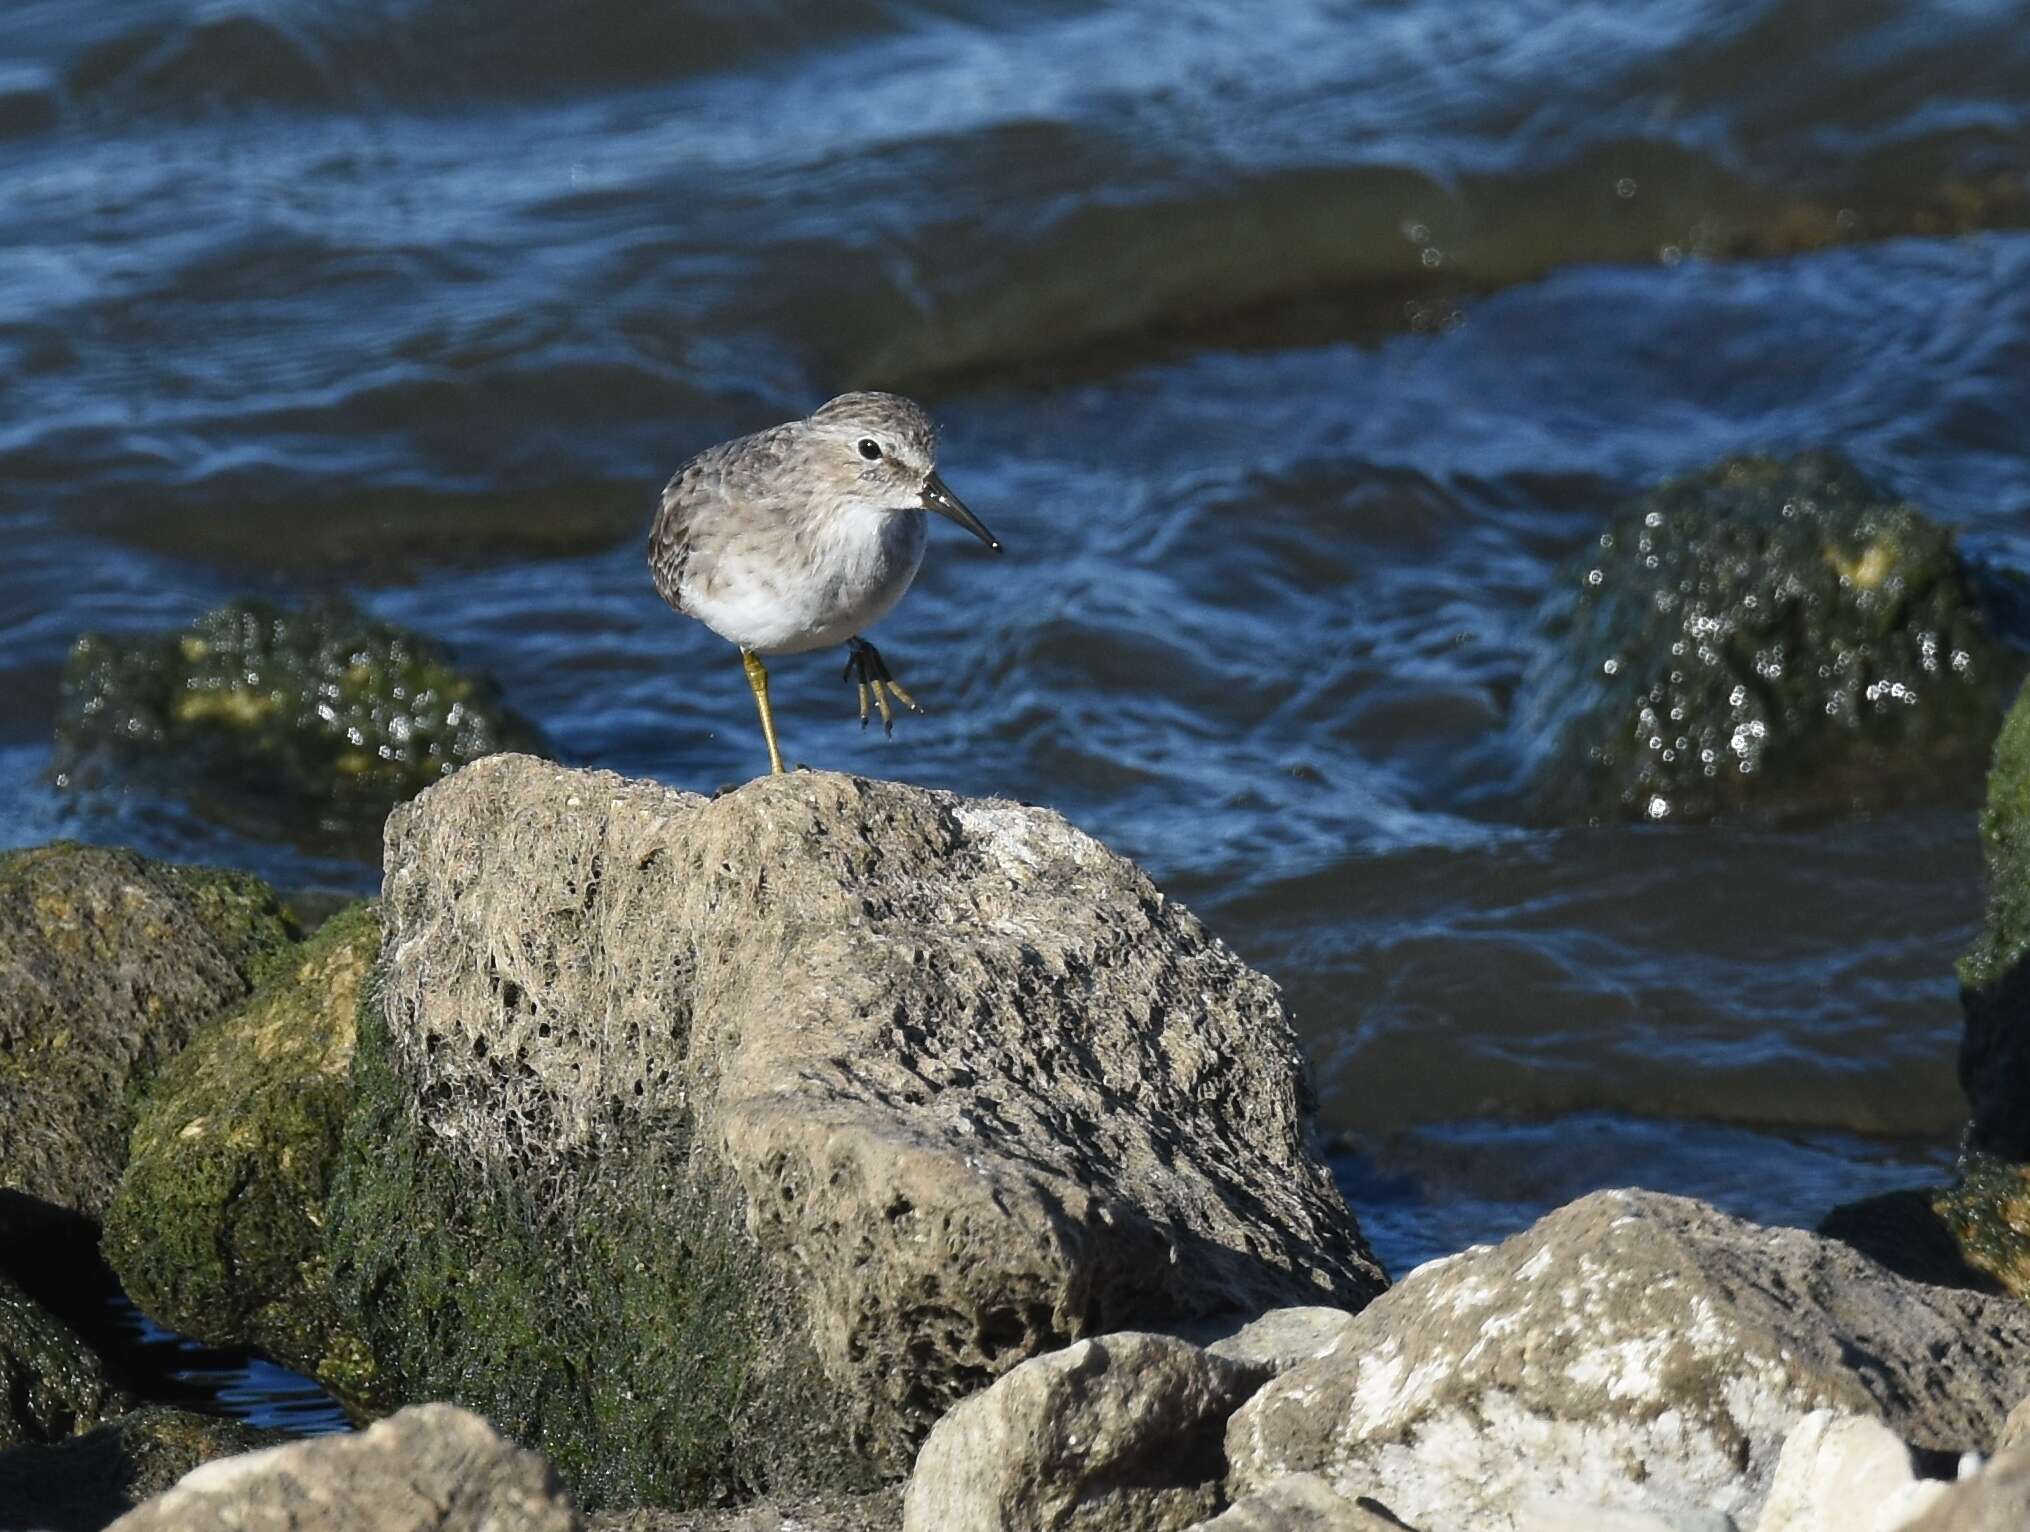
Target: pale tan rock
969, 1084
1995, 1499
1844, 1473
1117, 1434
1299, 1502
1631, 1351
431, 1468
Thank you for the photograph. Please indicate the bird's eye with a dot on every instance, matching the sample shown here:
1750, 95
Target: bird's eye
870, 449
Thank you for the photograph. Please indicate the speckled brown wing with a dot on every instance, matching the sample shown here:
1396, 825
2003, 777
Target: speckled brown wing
703, 506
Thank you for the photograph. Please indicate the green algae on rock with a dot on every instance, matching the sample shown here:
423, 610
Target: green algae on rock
1769, 638
216, 1230
320, 720
82, 1484
111, 962
51, 1382
1995, 972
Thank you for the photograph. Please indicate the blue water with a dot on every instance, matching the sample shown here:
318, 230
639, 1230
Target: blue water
1288, 347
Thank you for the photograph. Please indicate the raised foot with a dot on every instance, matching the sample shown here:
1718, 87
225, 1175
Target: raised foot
866, 670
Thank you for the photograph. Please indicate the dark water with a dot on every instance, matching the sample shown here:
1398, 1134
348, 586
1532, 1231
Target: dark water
1288, 346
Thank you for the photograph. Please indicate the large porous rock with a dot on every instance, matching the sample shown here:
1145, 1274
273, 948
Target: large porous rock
108, 963
1300, 1502
81, 1484
1772, 638
708, 1142
216, 1231
52, 1385
873, 1511
432, 1468
1118, 1434
310, 724
1630, 1350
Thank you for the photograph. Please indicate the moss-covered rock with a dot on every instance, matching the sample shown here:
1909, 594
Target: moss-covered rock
311, 724
52, 1385
108, 963
621, 1320
216, 1231
1774, 638
1995, 972
82, 1484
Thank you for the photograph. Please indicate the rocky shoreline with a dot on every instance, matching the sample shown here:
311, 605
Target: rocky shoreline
842, 1155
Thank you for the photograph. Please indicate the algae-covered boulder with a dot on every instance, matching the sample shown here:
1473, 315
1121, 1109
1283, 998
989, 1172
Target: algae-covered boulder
82, 1484
311, 724
728, 1143
1768, 638
1995, 972
52, 1385
216, 1231
108, 963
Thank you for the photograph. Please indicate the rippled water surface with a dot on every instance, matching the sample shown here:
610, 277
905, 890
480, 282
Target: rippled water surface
1289, 348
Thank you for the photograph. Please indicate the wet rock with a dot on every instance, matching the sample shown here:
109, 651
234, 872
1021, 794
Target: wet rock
308, 724
1299, 1502
1768, 638
433, 1468
51, 1383
108, 963
1995, 972
81, 1484
216, 1231
1845, 1473
834, 1099
1118, 1434
1632, 1351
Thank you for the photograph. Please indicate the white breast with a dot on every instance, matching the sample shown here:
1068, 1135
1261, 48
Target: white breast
813, 593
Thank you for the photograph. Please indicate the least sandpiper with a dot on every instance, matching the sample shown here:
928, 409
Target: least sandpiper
802, 535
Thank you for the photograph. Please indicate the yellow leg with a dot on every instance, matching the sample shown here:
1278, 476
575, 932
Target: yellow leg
757, 682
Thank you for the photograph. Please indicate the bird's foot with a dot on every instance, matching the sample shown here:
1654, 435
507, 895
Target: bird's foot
869, 673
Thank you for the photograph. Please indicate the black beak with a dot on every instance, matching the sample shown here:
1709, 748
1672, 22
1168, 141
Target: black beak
940, 499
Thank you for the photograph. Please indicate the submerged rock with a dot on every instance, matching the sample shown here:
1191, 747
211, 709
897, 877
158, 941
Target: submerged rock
81, 1484
310, 724
710, 1144
433, 1466
1770, 638
108, 963
1631, 1351
215, 1231
52, 1385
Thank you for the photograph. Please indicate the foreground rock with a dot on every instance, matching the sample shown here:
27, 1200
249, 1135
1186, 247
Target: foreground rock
1630, 1351
108, 963
1122, 1433
433, 1468
81, 1484
215, 1230
1997, 1499
1845, 1473
1775, 638
316, 722
707, 1142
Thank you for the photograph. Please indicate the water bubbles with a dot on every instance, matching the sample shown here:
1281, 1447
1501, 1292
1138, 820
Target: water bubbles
1596, 577
1658, 807
1625, 188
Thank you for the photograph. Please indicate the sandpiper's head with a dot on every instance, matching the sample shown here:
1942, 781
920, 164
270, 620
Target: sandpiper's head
885, 448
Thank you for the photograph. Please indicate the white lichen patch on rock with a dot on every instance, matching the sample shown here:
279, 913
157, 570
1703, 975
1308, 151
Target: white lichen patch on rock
1638, 1352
